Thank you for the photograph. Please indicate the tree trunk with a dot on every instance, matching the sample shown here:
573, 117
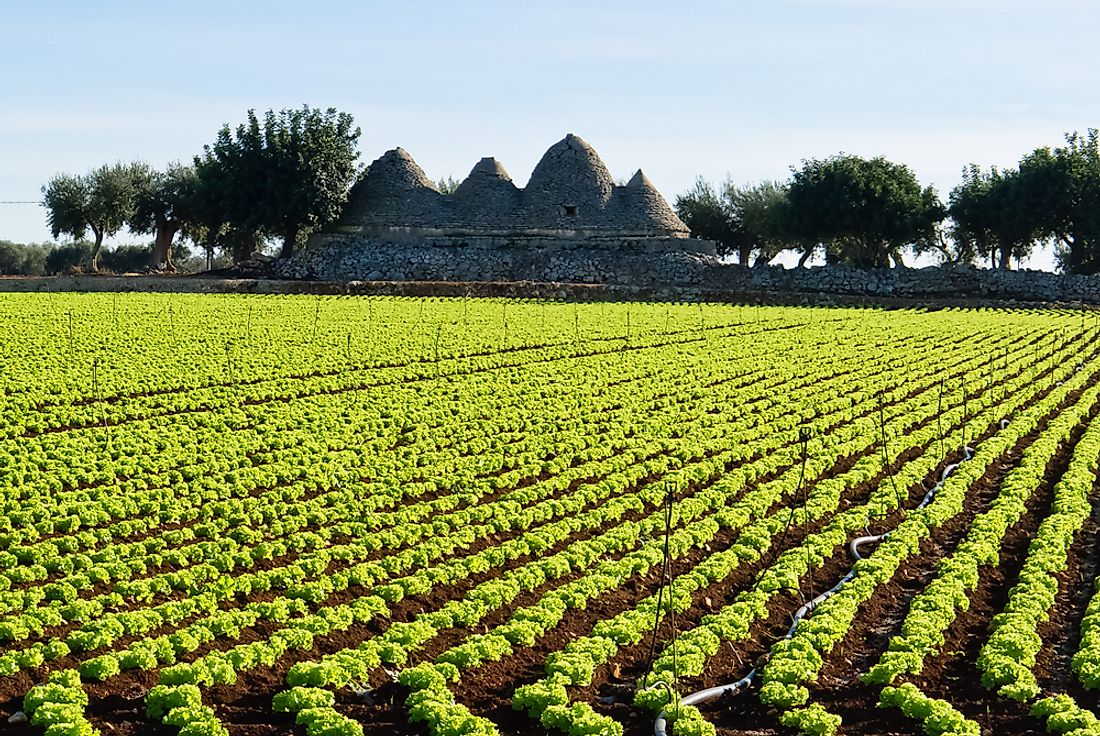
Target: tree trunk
208, 245
1075, 254
289, 241
805, 257
161, 257
93, 265
1006, 257
744, 253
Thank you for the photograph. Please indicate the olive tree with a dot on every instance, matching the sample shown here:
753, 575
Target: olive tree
739, 219
994, 215
708, 216
1064, 188
861, 211
165, 206
103, 201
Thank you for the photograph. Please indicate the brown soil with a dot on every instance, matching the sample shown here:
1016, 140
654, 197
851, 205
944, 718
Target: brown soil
117, 706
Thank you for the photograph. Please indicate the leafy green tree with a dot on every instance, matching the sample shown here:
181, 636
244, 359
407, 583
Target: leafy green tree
165, 205
67, 257
862, 211
1064, 184
209, 217
758, 210
23, 259
126, 258
709, 216
743, 220
101, 201
942, 243
280, 176
995, 215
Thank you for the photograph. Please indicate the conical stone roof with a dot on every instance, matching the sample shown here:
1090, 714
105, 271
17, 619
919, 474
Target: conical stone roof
641, 181
396, 169
487, 196
569, 187
570, 195
394, 190
489, 167
642, 206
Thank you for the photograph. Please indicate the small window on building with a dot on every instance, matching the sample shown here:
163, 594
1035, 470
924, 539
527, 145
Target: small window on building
569, 210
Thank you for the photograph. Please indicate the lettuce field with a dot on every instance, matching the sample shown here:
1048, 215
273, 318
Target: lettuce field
326, 516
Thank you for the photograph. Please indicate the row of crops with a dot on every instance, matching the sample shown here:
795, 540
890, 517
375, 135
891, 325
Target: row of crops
354, 515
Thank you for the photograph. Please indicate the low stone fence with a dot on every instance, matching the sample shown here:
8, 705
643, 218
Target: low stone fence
340, 258
930, 282
348, 258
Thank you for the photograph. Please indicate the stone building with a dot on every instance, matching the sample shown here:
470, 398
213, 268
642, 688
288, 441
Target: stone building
570, 201
571, 222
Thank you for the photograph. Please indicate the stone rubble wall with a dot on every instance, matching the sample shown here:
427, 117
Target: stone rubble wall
929, 282
640, 262
649, 263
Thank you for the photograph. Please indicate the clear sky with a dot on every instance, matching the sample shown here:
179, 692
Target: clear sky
680, 89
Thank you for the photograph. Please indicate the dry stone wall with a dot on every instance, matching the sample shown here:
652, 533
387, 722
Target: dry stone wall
930, 282
630, 264
641, 262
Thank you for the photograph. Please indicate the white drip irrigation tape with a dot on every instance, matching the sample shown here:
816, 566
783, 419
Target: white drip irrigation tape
660, 726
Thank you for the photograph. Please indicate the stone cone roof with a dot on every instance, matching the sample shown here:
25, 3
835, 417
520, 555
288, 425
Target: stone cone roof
393, 189
570, 195
640, 203
488, 193
641, 181
395, 169
571, 174
489, 167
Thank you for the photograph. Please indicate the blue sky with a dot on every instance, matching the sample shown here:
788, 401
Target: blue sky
747, 89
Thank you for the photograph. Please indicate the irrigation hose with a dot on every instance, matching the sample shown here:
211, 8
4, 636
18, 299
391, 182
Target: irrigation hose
660, 726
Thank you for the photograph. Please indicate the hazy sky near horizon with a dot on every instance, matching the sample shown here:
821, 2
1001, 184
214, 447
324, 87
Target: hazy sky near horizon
711, 88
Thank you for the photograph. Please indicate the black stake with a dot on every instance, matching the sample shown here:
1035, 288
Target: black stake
885, 454
316, 318
664, 576
939, 419
965, 413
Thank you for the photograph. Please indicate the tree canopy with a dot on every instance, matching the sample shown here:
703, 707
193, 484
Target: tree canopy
742, 220
166, 204
1065, 197
281, 176
994, 215
861, 211
758, 210
708, 216
103, 200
